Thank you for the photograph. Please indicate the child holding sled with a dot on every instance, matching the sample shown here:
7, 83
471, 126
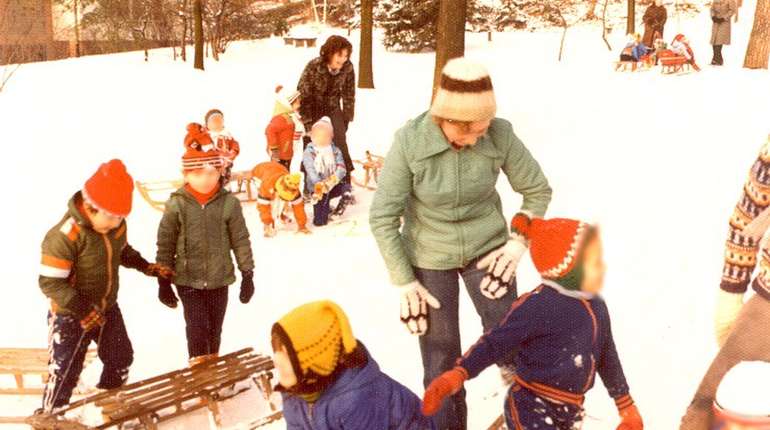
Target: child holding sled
285, 130
201, 226
328, 379
325, 171
561, 332
277, 185
81, 255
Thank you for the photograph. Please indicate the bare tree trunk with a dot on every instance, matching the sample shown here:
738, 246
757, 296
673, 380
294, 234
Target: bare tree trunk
604, 25
77, 27
758, 51
591, 14
450, 35
366, 76
185, 25
315, 10
199, 42
631, 25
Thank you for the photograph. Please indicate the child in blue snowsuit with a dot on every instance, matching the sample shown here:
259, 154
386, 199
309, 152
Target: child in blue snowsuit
329, 381
324, 173
561, 332
634, 50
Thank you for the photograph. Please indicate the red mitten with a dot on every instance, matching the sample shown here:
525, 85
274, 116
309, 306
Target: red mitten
630, 419
442, 387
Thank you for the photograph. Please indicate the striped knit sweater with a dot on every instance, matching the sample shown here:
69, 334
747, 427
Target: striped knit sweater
741, 249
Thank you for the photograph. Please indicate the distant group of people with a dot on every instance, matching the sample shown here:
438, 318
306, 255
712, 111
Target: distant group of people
651, 47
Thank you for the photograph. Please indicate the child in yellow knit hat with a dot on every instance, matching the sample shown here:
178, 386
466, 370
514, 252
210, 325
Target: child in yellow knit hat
328, 378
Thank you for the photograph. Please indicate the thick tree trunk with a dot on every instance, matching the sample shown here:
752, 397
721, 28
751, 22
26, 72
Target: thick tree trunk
631, 25
77, 27
365, 73
199, 41
758, 51
450, 35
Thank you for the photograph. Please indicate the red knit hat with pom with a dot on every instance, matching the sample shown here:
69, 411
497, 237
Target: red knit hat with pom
110, 189
555, 247
194, 159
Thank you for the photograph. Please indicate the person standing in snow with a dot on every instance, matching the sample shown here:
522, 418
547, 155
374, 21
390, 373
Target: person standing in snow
201, 226
722, 12
740, 328
286, 128
325, 173
654, 19
222, 139
81, 255
439, 178
328, 88
328, 379
561, 332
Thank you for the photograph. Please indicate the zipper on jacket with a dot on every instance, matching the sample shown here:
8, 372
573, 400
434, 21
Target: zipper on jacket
460, 237
205, 247
109, 271
308, 415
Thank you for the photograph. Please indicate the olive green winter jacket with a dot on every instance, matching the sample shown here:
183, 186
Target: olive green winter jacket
196, 240
451, 211
79, 267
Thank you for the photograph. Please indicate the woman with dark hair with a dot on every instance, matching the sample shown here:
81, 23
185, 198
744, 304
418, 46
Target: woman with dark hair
328, 88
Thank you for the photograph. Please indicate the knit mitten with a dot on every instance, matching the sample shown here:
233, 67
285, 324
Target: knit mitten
448, 384
415, 300
728, 307
630, 419
166, 293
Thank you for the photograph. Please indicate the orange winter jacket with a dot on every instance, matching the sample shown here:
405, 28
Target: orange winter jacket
280, 136
269, 173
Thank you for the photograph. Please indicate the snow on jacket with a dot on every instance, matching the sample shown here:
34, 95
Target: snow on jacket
361, 399
79, 264
563, 339
322, 92
448, 199
312, 175
741, 252
721, 32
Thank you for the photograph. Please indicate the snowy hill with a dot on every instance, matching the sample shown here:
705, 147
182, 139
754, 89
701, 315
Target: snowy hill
657, 160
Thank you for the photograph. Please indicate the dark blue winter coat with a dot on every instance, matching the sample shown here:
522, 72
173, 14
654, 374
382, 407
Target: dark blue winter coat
361, 399
563, 338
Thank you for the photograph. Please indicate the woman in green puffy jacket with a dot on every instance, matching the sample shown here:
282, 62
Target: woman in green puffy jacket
437, 216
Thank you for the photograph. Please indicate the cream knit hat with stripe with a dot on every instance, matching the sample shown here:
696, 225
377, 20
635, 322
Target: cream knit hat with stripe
465, 92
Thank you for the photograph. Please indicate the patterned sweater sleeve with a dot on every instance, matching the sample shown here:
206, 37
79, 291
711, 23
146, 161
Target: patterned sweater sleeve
740, 250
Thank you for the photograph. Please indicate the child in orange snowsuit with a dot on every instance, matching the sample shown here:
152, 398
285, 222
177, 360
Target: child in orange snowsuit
278, 183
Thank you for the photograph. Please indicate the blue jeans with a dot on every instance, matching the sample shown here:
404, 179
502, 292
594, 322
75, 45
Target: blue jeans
114, 349
440, 346
322, 209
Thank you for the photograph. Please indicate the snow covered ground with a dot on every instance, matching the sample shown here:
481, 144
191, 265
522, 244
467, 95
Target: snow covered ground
657, 160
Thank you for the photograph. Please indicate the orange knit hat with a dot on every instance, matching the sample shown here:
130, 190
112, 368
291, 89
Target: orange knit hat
110, 189
556, 246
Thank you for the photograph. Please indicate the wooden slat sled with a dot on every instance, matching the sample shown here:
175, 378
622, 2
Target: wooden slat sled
156, 193
372, 165
33, 362
145, 404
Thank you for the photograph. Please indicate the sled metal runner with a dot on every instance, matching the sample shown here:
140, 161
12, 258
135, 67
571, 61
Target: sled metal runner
145, 404
33, 362
372, 168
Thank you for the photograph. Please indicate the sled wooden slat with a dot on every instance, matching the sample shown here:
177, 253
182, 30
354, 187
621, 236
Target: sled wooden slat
671, 65
372, 165
20, 362
174, 394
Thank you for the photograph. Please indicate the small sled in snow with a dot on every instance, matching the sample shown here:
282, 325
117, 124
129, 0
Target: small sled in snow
632, 66
145, 404
32, 362
372, 168
156, 193
675, 64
